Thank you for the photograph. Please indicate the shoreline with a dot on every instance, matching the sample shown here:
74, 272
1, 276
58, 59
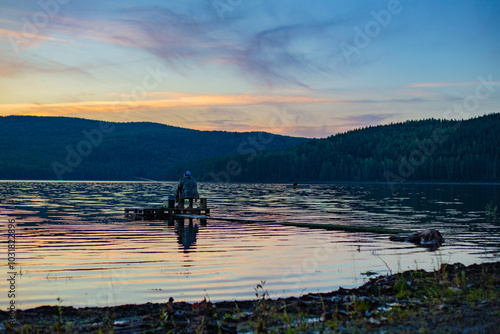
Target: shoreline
454, 298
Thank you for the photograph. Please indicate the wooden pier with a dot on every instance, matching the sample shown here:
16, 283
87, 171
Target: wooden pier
168, 211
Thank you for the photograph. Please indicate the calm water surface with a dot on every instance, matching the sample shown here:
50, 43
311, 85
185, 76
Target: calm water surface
72, 241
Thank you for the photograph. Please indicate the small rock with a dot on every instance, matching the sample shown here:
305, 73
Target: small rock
385, 308
122, 322
336, 299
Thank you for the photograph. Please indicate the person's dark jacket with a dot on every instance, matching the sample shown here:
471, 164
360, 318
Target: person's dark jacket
187, 188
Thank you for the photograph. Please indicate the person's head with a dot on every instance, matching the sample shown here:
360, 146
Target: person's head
187, 173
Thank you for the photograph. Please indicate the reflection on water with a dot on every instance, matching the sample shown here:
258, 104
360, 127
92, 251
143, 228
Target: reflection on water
72, 241
187, 234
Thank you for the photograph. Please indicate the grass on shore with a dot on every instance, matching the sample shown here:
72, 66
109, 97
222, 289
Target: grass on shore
454, 297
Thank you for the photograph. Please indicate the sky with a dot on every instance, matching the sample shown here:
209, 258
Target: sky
301, 68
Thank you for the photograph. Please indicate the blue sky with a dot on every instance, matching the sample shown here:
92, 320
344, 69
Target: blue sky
302, 68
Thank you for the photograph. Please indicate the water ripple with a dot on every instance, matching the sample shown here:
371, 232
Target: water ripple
73, 242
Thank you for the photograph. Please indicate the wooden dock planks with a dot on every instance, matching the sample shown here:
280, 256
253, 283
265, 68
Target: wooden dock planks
167, 211
162, 213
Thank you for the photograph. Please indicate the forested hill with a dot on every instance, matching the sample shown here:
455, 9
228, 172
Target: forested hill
427, 150
51, 148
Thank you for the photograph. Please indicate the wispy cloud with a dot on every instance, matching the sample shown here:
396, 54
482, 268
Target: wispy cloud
11, 66
273, 56
368, 119
174, 100
450, 84
394, 100
273, 52
418, 93
24, 39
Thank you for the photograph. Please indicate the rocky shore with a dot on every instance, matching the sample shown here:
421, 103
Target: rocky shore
453, 299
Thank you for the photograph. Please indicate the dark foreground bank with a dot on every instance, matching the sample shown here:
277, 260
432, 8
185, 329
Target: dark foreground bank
453, 299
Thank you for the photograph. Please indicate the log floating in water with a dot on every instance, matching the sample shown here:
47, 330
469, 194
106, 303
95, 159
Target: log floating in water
347, 228
200, 213
329, 227
229, 219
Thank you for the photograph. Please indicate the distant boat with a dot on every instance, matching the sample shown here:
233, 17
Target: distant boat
297, 186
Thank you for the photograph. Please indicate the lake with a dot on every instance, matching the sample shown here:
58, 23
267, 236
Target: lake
73, 243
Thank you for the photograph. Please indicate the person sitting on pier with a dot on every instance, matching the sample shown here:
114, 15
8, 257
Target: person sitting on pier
187, 188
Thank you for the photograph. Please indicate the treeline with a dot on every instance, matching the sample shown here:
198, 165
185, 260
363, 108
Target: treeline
51, 148
427, 150
48, 148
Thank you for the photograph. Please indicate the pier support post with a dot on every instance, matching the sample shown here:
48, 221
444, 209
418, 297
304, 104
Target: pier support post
203, 203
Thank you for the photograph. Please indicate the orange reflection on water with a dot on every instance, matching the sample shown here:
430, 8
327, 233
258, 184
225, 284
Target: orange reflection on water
77, 245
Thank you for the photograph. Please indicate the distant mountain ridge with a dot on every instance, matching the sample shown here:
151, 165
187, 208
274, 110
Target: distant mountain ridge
51, 148
64, 148
412, 151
